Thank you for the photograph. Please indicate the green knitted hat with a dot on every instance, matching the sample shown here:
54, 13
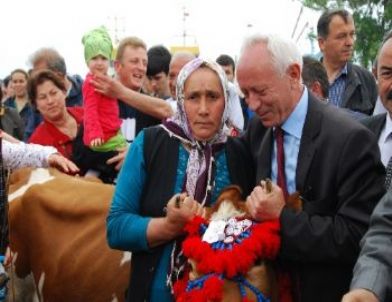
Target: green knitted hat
97, 42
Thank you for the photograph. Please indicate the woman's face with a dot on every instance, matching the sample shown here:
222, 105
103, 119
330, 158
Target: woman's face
204, 103
19, 84
50, 101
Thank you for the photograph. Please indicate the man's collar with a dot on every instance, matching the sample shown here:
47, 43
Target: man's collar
343, 70
296, 120
388, 127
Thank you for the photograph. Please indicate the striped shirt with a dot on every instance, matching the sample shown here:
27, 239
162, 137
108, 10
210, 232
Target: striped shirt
337, 87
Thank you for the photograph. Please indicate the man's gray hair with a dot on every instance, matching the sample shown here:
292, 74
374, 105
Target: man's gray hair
53, 60
283, 52
182, 55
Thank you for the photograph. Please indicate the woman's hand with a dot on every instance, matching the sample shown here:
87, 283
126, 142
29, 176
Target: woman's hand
96, 142
8, 137
56, 160
181, 209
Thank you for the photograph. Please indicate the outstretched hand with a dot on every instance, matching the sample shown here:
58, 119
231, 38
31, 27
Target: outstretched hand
107, 86
8, 137
62, 163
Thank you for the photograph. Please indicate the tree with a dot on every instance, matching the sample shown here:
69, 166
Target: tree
373, 19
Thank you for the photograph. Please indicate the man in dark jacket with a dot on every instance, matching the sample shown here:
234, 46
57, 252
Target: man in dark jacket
372, 279
351, 86
316, 150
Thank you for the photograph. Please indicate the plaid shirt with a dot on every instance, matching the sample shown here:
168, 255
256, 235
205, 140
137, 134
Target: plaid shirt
337, 88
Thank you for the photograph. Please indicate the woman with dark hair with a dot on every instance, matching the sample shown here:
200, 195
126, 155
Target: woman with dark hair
20, 100
61, 126
60, 123
190, 154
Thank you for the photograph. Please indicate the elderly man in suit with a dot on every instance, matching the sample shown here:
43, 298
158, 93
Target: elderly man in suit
306, 146
372, 274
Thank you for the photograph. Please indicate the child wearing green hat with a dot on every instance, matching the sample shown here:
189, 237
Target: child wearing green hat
101, 113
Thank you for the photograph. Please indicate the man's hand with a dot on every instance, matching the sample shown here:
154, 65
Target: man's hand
119, 158
56, 160
108, 86
264, 205
360, 295
153, 106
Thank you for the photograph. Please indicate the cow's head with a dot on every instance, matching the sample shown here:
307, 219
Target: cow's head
220, 245
229, 204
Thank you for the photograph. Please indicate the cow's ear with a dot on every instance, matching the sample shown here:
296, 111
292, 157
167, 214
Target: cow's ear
232, 193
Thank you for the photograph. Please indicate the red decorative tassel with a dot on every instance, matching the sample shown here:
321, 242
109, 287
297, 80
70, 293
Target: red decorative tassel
179, 287
264, 243
213, 288
193, 226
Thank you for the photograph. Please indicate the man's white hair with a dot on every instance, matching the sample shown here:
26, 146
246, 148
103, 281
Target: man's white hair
283, 52
182, 55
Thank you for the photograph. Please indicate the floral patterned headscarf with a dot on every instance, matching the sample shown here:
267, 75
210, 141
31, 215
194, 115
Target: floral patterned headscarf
199, 166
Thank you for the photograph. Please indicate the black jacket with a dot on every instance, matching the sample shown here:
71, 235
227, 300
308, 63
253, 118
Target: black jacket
361, 90
375, 123
340, 177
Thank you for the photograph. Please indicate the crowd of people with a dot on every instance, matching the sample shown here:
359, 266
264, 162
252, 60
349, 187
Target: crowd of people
171, 126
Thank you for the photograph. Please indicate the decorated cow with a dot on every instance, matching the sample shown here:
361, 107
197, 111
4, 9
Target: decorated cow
230, 255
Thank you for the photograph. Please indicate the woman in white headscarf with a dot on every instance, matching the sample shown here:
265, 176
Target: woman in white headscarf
190, 154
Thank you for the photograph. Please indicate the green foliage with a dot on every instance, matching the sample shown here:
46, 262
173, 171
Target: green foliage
373, 19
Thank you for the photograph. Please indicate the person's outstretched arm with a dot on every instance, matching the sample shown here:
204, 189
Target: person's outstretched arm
155, 107
18, 154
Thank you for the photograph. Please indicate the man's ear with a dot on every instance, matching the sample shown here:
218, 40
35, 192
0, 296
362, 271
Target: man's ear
294, 72
316, 89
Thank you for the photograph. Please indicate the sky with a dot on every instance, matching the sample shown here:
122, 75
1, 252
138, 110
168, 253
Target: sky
216, 26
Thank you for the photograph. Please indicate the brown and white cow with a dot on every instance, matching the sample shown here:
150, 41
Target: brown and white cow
57, 234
